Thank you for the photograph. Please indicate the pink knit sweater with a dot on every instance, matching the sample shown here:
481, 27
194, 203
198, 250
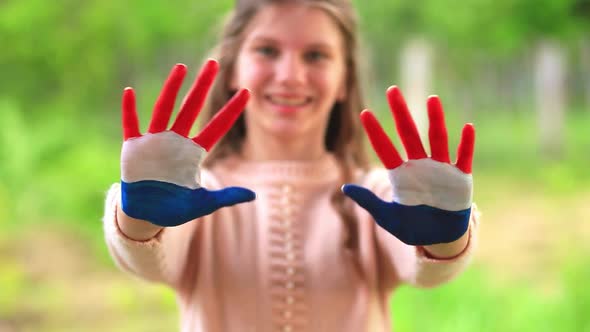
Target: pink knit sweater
279, 263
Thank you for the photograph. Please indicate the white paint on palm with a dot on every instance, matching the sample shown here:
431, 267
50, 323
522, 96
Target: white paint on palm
429, 182
165, 156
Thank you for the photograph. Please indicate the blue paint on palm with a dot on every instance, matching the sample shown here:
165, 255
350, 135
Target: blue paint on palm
167, 204
413, 225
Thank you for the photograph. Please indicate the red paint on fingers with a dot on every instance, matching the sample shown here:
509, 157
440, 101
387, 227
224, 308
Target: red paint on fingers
223, 120
380, 142
437, 132
405, 125
129, 115
466, 149
195, 99
165, 104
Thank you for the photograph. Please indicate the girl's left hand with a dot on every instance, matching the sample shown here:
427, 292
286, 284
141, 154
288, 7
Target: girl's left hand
431, 197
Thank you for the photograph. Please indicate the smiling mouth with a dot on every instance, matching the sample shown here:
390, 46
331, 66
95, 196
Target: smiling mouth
289, 101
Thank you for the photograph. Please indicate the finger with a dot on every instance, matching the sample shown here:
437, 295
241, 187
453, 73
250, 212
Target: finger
365, 198
437, 132
195, 99
380, 142
223, 120
406, 127
129, 115
165, 103
466, 148
231, 196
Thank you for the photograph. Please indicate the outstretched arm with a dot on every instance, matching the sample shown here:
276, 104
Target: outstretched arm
147, 216
431, 210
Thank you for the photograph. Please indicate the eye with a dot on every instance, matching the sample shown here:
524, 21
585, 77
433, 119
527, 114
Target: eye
267, 51
315, 56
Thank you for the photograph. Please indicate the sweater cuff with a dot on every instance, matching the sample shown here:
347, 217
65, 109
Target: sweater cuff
113, 231
424, 255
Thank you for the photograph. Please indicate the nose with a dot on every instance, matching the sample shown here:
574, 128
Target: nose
290, 70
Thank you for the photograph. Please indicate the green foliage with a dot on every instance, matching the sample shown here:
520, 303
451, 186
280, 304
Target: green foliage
83, 53
493, 25
474, 302
76, 51
465, 33
65, 63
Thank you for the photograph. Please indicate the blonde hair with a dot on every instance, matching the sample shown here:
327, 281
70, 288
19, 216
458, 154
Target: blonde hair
344, 137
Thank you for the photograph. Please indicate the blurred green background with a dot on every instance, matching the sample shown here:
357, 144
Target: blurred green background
518, 69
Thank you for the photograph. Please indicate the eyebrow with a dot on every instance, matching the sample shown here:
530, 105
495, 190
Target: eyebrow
265, 39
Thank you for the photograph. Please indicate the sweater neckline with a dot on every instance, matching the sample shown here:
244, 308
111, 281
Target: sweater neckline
323, 169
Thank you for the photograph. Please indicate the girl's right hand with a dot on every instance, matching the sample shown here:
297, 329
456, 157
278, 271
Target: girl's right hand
160, 169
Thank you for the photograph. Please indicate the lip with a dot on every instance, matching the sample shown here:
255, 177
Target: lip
293, 103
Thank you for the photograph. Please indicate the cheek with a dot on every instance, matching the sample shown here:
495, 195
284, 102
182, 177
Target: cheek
250, 74
330, 81
331, 84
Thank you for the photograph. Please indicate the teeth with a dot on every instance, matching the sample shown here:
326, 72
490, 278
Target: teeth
288, 101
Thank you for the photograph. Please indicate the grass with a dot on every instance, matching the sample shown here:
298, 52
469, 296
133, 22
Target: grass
474, 302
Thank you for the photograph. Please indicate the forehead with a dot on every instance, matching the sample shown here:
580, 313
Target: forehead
296, 24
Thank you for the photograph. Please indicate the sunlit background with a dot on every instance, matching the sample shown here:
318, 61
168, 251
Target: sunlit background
518, 69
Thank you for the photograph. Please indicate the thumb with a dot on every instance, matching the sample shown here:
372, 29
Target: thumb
365, 198
231, 196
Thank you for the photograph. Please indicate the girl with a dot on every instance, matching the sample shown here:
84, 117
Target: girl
287, 250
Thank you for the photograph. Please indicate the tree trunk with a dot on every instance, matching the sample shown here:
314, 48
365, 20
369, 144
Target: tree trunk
550, 72
416, 78
585, 66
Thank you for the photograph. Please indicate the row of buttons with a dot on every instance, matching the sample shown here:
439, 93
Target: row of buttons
285, 257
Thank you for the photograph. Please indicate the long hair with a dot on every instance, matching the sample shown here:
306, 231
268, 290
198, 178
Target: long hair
344, 137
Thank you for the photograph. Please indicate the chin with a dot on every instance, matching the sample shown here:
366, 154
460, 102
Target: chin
285, 132
281, 126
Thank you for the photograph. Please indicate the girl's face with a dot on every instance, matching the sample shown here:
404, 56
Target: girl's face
292, 60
